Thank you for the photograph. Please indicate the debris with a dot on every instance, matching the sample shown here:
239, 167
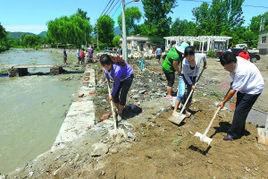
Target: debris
99, 149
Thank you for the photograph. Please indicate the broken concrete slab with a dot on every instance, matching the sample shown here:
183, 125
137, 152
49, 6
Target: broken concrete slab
263, 134
99, 149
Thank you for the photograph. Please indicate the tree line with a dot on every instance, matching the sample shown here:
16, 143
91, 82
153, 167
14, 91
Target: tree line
220, 17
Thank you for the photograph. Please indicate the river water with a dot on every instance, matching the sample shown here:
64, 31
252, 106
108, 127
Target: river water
32, 108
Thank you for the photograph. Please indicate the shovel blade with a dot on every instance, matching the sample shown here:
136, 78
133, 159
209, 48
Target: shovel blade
203, 138
177, 119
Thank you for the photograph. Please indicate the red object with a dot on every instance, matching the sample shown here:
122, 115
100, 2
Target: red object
244, 55
82, 54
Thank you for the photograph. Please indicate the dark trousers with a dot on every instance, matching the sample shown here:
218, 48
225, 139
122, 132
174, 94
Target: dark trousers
244, 104
188, 88
170, 78
121, 95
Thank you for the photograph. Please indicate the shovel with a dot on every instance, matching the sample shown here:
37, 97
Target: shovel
203, 137
178, 119
112, 107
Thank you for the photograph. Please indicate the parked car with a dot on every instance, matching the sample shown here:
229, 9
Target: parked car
253, 56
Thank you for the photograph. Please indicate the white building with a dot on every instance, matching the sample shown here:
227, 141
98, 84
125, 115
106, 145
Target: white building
202, 43
263, 43
138, 43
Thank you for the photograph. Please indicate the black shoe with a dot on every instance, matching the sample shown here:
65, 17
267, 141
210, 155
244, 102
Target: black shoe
228, 137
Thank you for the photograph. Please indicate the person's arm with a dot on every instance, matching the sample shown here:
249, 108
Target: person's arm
176, 65
117, 80
227, 97
204, 61
185, 69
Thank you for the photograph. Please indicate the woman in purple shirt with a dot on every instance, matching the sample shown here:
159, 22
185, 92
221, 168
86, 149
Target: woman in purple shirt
122, 75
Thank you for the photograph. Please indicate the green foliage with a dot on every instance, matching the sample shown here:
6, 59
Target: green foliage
116, 41
157, 22
183, 27
105, 30
3, 39
30, 40
211, 53
75, 29
132, 15
219, 18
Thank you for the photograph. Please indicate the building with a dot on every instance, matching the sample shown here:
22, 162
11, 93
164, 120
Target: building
263, 43
202, 43
138, 43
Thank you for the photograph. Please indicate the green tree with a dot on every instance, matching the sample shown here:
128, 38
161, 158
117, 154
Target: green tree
156, 13
105, 30
28, 40
3, 32
133, 15
75, 29
116, 41
219, 18
183, 27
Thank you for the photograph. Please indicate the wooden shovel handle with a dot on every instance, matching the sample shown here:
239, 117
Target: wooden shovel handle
215, 114
112, 105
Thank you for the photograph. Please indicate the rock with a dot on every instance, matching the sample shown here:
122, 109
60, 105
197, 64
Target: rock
136, 96
30, 174
81, 95
99, 149
113, 150
105, 116
142, 91
130, 135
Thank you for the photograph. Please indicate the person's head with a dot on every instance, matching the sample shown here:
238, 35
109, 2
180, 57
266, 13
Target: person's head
181, 48
228, 61
106, 62
189, 53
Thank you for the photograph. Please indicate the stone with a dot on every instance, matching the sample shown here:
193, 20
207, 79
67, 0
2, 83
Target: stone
113, 151
105, 116
99, 149
142, 91
136, 96
81, 95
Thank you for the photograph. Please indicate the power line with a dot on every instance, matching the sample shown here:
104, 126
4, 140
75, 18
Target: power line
116, 4
105, 7
246, 5
119, 5
106, 12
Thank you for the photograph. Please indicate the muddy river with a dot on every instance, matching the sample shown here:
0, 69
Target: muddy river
32, 108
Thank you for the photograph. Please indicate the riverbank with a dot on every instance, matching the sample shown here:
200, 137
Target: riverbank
155, 148
33, 108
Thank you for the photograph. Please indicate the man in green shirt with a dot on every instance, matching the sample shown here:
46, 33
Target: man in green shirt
172, 64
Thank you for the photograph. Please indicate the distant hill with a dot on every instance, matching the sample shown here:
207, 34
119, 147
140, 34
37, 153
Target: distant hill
117, 30
43, 34
17, 35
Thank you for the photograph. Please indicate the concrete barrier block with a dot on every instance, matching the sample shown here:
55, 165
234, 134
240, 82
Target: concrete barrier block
263, 136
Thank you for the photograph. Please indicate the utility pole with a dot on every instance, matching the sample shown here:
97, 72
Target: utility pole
124, 35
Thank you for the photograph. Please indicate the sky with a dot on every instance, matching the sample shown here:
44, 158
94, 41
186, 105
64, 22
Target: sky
33, 15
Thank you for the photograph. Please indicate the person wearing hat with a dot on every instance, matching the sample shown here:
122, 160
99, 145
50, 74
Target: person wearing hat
171, 64
248, 83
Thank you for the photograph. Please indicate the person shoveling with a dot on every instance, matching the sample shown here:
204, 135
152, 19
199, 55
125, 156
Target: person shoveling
122, 75
248, 83
190, 69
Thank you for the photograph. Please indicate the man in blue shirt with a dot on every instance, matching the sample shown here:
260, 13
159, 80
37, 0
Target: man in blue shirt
158, 53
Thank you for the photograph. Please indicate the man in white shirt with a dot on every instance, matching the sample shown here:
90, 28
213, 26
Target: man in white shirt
248, 83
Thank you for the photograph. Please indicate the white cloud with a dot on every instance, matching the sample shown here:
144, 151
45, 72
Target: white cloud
36, 29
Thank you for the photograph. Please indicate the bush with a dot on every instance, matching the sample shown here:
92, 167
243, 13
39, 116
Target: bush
211, 53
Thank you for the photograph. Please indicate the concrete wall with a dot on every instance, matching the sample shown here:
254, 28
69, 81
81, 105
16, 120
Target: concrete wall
263, 47
81, 114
